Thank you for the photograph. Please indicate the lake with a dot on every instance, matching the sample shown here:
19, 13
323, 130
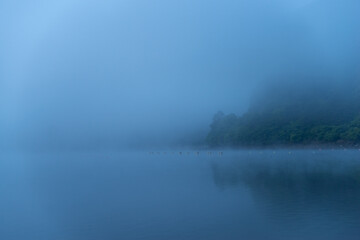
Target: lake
247, 194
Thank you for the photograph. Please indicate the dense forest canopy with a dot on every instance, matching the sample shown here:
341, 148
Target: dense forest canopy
294, 113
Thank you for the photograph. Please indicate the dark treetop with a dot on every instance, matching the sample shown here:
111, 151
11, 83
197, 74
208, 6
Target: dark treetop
293, 114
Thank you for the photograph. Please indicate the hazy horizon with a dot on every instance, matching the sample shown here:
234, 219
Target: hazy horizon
85, 74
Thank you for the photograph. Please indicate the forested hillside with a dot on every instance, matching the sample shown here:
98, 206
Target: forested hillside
288, 114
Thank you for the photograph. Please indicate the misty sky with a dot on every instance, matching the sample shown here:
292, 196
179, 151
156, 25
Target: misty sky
114, 72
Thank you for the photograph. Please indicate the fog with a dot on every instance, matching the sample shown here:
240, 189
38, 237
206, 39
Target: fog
117, 74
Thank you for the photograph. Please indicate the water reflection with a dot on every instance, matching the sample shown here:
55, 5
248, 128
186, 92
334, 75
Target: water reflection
268, 195
316, 195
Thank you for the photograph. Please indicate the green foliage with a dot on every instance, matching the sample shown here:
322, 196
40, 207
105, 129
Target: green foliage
297, 114
262, 130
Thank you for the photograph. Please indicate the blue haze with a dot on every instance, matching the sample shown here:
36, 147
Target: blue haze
114, 74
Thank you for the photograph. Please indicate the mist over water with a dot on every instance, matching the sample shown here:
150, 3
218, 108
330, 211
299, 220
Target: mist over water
118, 74
256, 195
107, 119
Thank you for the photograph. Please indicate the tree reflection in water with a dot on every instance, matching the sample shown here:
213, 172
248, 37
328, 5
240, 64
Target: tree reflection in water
303, 190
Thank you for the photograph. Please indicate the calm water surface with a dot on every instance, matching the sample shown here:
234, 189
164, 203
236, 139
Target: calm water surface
239, 195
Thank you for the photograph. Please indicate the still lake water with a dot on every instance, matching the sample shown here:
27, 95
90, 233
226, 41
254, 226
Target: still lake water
240, 195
